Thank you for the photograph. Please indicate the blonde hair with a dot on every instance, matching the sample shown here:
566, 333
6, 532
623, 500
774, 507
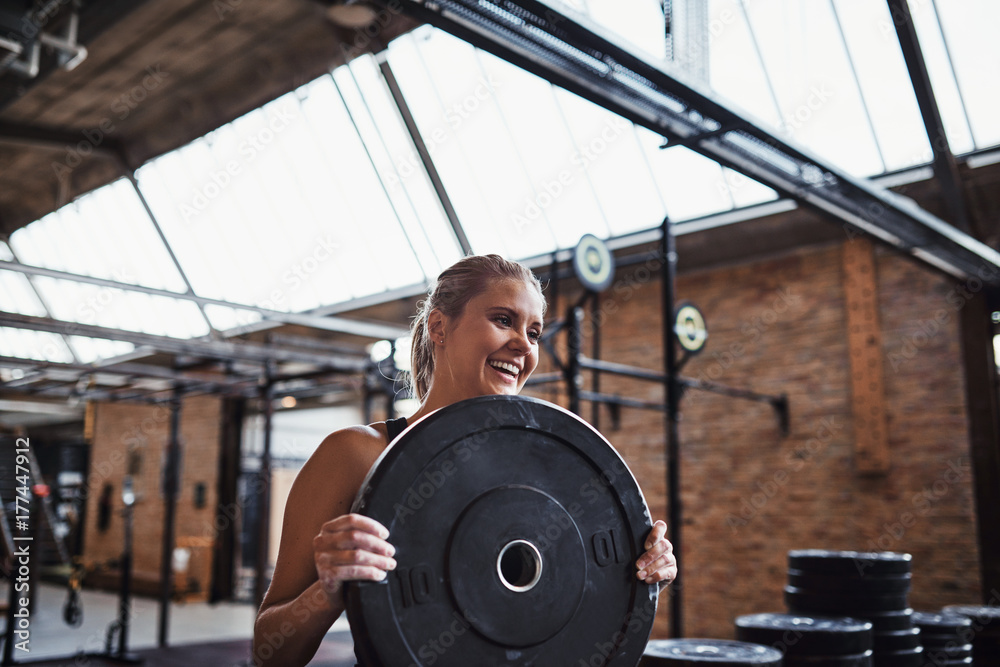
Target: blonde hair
453, 289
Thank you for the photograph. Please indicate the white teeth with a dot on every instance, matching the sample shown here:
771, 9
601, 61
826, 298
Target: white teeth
505, 366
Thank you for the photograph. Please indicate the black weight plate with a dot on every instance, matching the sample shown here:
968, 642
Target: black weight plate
931, 623
886, 584
943, 640
936, 654
856, 563
516, 527
855, 605
888, 621
858, 660
806, 635
910, 658
703, 652
985, 620
897, 640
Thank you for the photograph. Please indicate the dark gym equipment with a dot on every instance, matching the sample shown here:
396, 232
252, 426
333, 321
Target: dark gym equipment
888, 584
516, 527
674, 385
947, 638
690, 328
858, 564
809, 637
873, 586
708, 653
985, 626
593, 263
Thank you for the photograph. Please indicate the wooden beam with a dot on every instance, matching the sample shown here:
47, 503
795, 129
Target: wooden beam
864, 346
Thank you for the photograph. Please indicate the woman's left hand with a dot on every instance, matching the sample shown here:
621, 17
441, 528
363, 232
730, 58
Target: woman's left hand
658, 563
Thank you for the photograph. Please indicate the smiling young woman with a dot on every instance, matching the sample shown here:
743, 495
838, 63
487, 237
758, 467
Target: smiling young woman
476, 334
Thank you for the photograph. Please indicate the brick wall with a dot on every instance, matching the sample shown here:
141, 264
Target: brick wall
749, 494
119, 428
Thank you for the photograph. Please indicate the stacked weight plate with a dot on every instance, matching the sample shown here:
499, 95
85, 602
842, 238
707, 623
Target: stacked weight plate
708, 653
946, 638
871, 586
811, 641
985, 632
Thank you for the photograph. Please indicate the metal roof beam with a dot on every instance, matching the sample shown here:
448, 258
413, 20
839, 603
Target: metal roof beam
945, 166
583, 59
377, 330
197, 347
128, 370
58, 137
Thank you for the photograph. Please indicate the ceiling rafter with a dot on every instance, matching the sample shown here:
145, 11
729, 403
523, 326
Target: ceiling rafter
376, 330
587, 61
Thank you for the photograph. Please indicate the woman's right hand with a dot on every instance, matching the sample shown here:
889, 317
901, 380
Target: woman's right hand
351, 547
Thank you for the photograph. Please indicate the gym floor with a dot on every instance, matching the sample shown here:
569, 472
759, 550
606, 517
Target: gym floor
199, 633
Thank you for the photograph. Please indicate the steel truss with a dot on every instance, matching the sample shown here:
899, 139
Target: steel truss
582, 58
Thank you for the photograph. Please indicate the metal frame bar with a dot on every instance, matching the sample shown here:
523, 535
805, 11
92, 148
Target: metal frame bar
130, 175
197, 347
376, 330
425, 156
385, 147
129, 370
945, 166
672, 394
584, 60
371, 160
20, 134
45, 305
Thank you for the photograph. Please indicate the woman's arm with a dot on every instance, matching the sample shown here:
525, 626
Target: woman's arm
321, 547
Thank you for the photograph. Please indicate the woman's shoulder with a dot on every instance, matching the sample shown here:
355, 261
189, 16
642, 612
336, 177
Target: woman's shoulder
354, 443
340, 462
350, 447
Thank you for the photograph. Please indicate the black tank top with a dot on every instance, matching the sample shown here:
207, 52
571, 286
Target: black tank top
394, 427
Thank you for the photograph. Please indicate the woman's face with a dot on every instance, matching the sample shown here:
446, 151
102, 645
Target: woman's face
492, 347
